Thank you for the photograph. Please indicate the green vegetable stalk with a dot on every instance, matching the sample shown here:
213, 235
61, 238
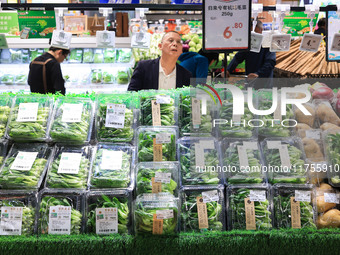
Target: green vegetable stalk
4, 113
46, 202
123, 55
333, 148
109, 55
105, 201
88, 56
122, 77
108, 77
96, 76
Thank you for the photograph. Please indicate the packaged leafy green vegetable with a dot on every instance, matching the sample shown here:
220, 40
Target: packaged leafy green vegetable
332, 148
293, 206
109, 55
8, 79
123, 55
284, 160
76, 56
122, 77
5, 56
96, 76
3, 150
22, 204
88, 56
156, 144
25, 166
70, 168
108, 77
25, 56
115, 117
156, 214
202, 209
249, 207
157, 177
5, 109
242, 158
30, 118
112, 166
72, 120
109, 212
60, 212
199, 159
34, 53
16, 56
98, 56
21, 79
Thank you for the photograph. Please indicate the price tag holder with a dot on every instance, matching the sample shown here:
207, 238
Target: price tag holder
61, 39
24, 161
141, 40
106, 39
11, 220
106, 221
336, 42
310, 42
72, 112
3, 42
280, 42
69, 163
256, 42
115, 115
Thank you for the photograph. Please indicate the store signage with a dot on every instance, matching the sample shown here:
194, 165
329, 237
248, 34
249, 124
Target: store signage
333, 36
9, 23
336, 42
310, 42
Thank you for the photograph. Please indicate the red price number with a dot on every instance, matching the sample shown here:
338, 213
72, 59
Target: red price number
228, 34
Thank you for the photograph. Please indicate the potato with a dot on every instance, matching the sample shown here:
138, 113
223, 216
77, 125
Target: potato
330, 219
327, 114
327, 125
307, 119
312, 149
301, 129
324, 186
322, 206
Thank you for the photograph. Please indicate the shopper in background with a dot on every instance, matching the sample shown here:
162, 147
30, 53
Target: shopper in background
45, 73
163, 72
321, 27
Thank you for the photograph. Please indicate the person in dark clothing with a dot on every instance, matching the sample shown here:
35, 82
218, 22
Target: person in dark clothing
321, 27
45, 73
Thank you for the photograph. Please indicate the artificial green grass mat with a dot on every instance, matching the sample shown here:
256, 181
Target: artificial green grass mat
233, 242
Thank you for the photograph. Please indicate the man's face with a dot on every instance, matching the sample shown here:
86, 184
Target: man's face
171, 45
258, 30
59, 56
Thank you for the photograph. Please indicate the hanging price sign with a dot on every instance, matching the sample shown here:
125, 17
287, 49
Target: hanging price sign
280, 42
310, 42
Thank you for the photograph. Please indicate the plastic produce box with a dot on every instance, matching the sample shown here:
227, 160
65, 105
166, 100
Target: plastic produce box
156, 144
112, 166
16, 56
25, 56
284, 160
96, 76
5, 109
157, 177
76, 56
21, 209
202, 209
3, 150
5, 57
20, 79
34, 53
25, 166
123, 55
8, 79
243, 161
156, 214
98, 56
123, 76
60, 212
88, 56
70, 167
294, 206
72, 121
29, 118
158, 108
109, 55
249, 207
109, 212
200, 161
331, 140
108, 77
115, 118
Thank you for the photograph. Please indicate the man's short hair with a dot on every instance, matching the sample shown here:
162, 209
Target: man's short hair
169, 33
322, 22
259, 24
64, 51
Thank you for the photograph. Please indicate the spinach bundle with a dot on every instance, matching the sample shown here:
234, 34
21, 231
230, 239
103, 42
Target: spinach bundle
5, 109
72, 120
108, 201
333, 154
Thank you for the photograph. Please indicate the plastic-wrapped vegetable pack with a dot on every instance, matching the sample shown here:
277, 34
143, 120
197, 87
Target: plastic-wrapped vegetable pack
123, 55
29, 118
109, 55
112, 166
122, 77
157, 177
88, 56
249, 207
70, 167
5, 109
115, 117
96, 76
60, 212
109, 212
25, 204
202, 209
76, 56
332, 148
25, 166
72, 120
3, 150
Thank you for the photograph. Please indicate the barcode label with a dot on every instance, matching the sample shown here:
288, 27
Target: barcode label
24, 161
11, 220
106, 220
72, 112
60, 230
28, 112
59, 220
69, 163
115, 115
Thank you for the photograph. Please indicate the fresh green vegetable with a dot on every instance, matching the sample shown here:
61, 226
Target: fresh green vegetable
16, 56
36, 53
333, 148
122, 77
8, 79
109, 55
123, 55
98, 56
238, 214
105, 201
21, 79
88, 56
46, 202
108, 77
4, 113
76, 56
25, 56
96, 76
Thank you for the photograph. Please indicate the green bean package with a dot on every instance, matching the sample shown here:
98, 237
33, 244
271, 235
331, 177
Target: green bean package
5, 109
70, 168
60, 212
25, 166
332, 149
29, 118
3, 150
72, 121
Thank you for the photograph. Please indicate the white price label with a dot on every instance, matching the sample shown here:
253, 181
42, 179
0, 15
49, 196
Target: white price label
162, 177
11, 220
69, 163
106, 221
163, 138
24, 160
336, 42
164, 214
331, 198
313, 134
72, 112
303, 195
210, 196
310, 42
256, 42
283, 151
115, 115
112, 160
59, 220
141, 40
163, 99
257, 195
280, 42
28, 112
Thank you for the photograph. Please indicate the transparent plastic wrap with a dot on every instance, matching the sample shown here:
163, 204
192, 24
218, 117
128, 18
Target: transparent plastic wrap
275, 124
8, 79
16, 56
123, 55
98, 56
76, 56
108, 77
331, 140
293, 206
88, 56
5, 56
204, 168
96, 76
115, 120
25, 217
66, 216
242, 157
30, 117
158, 109
306, 121
72, 120
122, 76
326, 115
157, 177
284, 160
21, 79
34, 53
109, 55
156, 214
69, 168
25, 56
109, 212
3, 150
5, 109
249, 207
25, 166
202, 209
111, 167
156, 144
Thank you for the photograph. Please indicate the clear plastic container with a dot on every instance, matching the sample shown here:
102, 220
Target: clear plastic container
96, 76
109, 55
3, 150
25, 56
5, 109
98, 56
34, 53
108, 77
123, 55
331, 140
88, 56
76, 56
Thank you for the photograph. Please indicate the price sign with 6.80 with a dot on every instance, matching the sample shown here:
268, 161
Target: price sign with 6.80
226, 24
